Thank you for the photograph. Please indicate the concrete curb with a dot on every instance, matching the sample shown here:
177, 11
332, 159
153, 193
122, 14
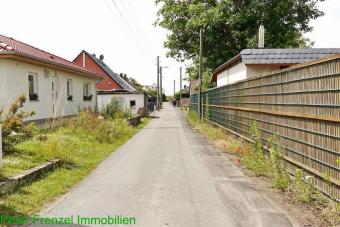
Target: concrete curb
11, 184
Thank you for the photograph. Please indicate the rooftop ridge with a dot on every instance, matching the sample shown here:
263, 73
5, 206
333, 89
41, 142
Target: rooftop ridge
33, 47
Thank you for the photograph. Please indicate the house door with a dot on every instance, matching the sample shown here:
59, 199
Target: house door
54, 95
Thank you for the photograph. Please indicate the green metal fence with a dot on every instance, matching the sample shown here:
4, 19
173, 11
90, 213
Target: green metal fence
302, 104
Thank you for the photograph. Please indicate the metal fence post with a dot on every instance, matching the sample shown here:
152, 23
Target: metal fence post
0, 146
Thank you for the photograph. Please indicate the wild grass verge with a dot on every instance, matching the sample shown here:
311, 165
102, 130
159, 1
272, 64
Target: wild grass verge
269, 164
81, 144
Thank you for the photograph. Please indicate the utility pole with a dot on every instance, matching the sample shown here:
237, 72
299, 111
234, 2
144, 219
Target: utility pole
200, 106
157, 104
180, 87
174, 89
161, 85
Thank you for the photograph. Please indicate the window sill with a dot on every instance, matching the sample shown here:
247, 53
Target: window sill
34, 100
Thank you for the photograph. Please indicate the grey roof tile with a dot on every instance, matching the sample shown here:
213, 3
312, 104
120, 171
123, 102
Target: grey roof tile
285, 56
116, 77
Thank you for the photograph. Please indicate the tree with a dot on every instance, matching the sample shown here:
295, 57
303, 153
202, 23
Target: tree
232, 25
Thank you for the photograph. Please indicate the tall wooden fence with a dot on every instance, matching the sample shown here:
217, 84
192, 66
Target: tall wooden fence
302, 104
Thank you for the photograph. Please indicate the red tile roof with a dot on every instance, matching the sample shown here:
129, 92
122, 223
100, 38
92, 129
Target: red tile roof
15, 47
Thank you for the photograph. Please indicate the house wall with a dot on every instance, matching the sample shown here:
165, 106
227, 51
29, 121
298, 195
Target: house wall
17, 84
105, 99
3, 82
242, 71
107, 83
233, 74
255, 70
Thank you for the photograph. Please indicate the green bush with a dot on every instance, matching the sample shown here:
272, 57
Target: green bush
255, 160
115, 110
278, 172
256, 137
108, 132
14, 130
332, 213
304, 190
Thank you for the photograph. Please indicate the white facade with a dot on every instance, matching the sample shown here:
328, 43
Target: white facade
233, 74
152, 87
240, 71
129, 101
50, 85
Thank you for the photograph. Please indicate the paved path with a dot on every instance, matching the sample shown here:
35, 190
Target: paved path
168, 175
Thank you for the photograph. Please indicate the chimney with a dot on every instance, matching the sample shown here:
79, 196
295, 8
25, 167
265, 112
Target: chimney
261, 36
84, 59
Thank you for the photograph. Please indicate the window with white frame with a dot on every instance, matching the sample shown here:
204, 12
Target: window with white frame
69, 90
33, 87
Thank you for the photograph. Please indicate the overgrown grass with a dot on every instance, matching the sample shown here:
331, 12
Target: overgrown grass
81, 145
271, 165
207, 129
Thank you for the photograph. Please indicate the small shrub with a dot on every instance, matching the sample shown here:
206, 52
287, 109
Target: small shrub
304, 190
193, 118
256, 137
278, 171
255, 159
115, 110
109, 131
86, 120
234, 145
332, 213
14, 130
42, 137
327, 179
256, 163
320, 198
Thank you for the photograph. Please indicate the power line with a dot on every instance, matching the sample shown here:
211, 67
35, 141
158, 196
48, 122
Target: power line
135, 23
128, 25
135, 42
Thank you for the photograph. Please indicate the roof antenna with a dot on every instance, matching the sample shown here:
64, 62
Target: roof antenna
261, 35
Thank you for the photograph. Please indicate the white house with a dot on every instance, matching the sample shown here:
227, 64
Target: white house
113, 85
254, 62
152, 87
128, 100
54, 87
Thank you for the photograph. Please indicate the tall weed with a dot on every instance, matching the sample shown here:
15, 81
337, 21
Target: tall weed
303, 190
278, 173
255, 160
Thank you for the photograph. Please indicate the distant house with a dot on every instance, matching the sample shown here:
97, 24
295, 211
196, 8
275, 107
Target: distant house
254, 62
113, 85
54, 87
152, 87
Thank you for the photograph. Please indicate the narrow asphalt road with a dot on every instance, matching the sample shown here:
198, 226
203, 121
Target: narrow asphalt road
168, 175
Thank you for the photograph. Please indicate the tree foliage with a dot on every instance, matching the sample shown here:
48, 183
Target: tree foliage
232, 25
